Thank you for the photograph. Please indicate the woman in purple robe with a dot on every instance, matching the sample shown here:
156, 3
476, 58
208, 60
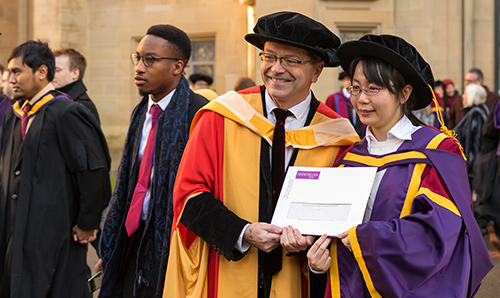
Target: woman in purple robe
419, 237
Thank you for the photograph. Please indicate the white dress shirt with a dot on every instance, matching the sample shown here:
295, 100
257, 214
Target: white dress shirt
346, 94
146, 128
400, 132
295, 121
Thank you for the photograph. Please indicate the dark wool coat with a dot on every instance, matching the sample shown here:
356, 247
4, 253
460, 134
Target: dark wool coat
488, 175
151, 257
469, 135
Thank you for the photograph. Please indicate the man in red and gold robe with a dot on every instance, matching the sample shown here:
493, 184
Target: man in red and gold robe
223, 198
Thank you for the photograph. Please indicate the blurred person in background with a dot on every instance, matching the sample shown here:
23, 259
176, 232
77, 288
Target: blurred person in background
70, 69
200, 81
429, 115
340, 102
469, 128
7, 86
473, 76
450, 93
243, 83
439, 90
5, 102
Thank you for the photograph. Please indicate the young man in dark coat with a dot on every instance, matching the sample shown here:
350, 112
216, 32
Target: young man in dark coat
135, 237
68, 78
54, 165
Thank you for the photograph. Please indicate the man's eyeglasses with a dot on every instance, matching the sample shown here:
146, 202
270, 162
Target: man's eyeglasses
356, 90
284, 61
147, 59
467, 82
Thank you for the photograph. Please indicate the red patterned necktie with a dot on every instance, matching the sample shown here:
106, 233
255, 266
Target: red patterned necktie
24, 120
272, 262
142, 186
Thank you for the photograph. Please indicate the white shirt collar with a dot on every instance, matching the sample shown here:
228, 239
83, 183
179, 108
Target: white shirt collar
163, 103
39, 95
401, 131
346, 94
299, 111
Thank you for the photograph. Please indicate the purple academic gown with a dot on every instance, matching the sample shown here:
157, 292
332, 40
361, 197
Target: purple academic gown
432, 247
497, 121
4, 106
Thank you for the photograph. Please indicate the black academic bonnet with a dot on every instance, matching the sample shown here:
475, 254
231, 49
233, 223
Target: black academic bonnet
297, 30
398, 53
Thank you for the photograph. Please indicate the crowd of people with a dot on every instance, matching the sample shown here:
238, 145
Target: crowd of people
201, 174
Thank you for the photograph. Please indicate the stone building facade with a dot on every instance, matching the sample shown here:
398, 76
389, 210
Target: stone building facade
453, 35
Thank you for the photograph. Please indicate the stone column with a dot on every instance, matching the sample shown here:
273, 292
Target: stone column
468, 41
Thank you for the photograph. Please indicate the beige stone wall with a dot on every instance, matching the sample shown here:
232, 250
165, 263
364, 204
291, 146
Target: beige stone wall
8, 27
335, 15
450, 42
483, 40
435, 29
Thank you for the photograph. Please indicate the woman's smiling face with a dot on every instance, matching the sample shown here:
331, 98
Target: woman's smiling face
379, 112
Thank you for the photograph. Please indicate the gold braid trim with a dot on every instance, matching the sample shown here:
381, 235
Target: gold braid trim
444, 129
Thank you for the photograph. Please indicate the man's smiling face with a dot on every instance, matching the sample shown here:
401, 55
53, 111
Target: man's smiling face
288, 86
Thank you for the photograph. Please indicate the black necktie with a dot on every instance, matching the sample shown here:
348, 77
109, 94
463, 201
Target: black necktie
273, 259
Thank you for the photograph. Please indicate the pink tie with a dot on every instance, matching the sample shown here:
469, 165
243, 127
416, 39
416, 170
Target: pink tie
24, 119
142, 186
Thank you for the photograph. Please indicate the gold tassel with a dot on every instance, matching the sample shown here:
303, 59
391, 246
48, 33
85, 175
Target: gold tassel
444, 129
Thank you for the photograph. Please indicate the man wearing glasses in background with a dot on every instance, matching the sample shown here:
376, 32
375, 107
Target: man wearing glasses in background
234, 164
473, 76
136, 231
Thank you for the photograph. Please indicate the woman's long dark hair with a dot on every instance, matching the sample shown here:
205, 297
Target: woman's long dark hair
381, 73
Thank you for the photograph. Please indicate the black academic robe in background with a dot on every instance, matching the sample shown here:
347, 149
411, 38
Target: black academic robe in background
57, 178
78, 92
488, 176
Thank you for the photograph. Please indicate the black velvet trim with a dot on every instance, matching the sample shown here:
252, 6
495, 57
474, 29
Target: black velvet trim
208, 218
317, 284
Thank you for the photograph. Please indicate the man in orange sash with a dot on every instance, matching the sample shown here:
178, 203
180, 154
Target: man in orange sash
223, 244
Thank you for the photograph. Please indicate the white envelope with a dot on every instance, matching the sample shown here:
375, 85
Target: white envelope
324, 200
